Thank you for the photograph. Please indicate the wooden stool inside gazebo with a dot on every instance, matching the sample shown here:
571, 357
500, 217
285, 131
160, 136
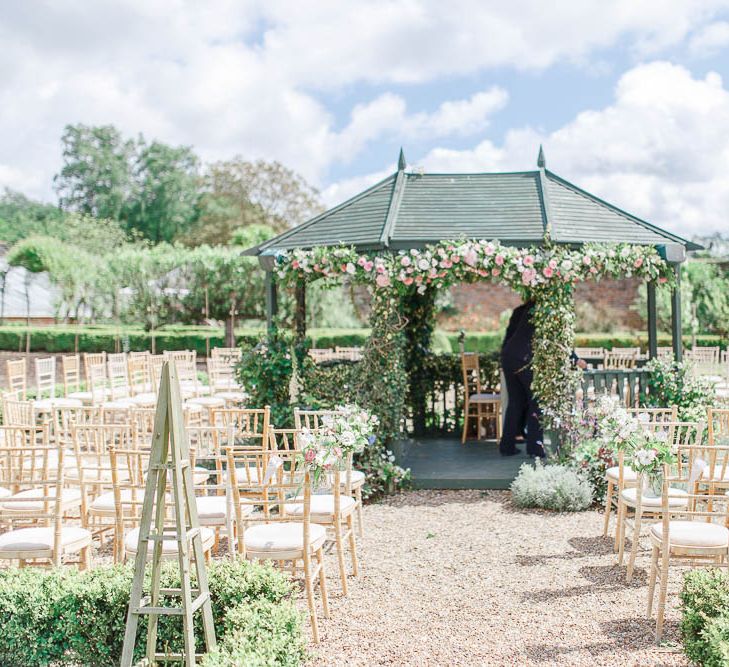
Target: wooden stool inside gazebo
479, 406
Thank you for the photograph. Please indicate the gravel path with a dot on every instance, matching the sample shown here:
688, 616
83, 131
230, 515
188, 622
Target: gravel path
464, 578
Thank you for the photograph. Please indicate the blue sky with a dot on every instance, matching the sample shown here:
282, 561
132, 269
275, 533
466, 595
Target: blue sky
630, 99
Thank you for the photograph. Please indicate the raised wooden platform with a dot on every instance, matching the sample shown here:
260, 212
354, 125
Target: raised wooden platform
444, 463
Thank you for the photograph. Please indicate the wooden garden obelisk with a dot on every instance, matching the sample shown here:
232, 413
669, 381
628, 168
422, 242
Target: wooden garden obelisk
169, 471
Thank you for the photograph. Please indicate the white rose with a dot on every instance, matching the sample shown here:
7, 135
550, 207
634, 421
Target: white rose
348, 439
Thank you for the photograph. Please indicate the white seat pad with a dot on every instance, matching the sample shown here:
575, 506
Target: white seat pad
47, 404
474, 398
4, 493
146, 399
129, 500
629, 475
168, 546
676, 498
232, 396
208, 401
118, 404
41, 539
83, 396
356, 476
320, 505
200, 475
693, 534
282, 537
211, 507
26, 500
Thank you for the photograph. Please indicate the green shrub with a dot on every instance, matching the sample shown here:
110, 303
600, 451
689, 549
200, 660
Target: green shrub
553, 487
705, 616
63, 616
672, 383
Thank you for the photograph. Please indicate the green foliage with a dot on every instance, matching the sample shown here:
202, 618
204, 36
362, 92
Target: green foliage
96, 177
252, 235
62, 616
266, 371
671, 383
21, 217
705, 617
704, 299
592, 459
553, 487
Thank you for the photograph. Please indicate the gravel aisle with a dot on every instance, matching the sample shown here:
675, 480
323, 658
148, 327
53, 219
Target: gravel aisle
464, 578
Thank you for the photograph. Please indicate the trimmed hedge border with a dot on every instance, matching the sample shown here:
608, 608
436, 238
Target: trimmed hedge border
66, 617
62, 339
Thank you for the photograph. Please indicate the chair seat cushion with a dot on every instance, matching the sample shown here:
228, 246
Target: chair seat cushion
4, 493
676, 499
119, 404
146, 399
321, 506
208, 401
48, 404
41, 539
169, 547
237, 396
83, 396
131, 501
357, 477
483, 398
26, 501
211, 507
282, 537
613, 474
692, 534
226, 386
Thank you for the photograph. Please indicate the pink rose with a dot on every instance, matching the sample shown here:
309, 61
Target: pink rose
489, 249
528, 260
470, 257
593, 269
310, 455
638, 262
548, 271
295, 264
405, 261
455, 259
361, 261
499, 259
343, 267
552, 264
495, 272
446, 264
662, 280
380, 268
587, 260
382, 280
408, 280
368, 265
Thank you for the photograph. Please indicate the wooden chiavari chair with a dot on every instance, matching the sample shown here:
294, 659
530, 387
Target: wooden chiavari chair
718, 422
17, 378
140, 384
223, 384
275, 535
479, 406
250, 425
352, 481
45, 378
635, 500
618, 358
33, 470
91, 360
696, 535
128, 468
621, 476
71, 369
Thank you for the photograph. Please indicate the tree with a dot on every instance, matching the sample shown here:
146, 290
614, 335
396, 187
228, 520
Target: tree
21, 217
242, 192
164, 205
96, 177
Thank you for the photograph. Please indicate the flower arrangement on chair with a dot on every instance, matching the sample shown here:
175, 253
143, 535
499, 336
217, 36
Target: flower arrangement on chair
650, 454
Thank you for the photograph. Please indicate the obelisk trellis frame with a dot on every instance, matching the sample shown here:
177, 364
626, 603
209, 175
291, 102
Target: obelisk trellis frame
411, 209
170, 454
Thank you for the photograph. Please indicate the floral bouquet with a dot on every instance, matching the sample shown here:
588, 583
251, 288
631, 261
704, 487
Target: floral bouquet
615, 427
320, 453
651, 453
352, 427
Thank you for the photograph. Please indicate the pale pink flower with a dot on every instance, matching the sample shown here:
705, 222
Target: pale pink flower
495, 272
382, 280
368, 265
405, 261
310, 455
638, 262
489, 249
528, 260
586, 260
552, 264
351, 268
407, 280
548, 271
470, 257
499, 260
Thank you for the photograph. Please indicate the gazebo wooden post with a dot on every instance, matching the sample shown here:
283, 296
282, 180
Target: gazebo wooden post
652, 320
676, 316
271, 300
300, 315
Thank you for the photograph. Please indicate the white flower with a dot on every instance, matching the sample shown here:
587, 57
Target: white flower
423, 264
348, 439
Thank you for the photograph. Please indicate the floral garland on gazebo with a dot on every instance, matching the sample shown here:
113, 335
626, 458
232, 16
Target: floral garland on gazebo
547, 274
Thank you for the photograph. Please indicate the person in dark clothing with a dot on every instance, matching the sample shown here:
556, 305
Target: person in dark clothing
516, 358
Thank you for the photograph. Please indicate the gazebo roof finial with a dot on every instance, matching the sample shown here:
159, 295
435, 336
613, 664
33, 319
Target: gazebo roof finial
541, 161
401, 162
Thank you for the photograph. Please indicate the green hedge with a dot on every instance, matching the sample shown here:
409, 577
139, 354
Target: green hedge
62, 339
705, 620
65, 617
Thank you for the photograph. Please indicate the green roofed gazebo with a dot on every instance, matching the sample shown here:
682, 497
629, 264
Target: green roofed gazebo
411, 209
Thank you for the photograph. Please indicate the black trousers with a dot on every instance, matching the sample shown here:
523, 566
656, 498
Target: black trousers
521, 400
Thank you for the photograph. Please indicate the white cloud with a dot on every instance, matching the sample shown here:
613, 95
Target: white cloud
660, 150
709, 40
232, 77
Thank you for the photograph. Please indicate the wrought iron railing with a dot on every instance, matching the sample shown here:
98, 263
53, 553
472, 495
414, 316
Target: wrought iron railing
629, 384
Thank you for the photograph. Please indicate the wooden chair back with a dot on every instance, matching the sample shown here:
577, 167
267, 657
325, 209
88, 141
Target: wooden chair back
17, 378
155, 370
221, 375
471, 373
91, 360
18, 413
590, 352
620, 360
349, 353
139, 380
229, 355
45, 377
664, 353
118, 377
718, 422
189, 356
71, 369
312, 419
250, 425
653, 415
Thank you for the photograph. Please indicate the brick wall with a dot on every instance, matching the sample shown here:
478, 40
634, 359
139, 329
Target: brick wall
478, 306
